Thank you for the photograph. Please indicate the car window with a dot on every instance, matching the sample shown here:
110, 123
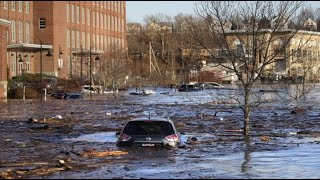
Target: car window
148, 128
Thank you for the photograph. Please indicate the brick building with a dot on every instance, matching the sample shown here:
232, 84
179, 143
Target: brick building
4, 24
70, 30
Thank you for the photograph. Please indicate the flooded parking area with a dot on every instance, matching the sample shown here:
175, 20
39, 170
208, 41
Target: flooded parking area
76, 138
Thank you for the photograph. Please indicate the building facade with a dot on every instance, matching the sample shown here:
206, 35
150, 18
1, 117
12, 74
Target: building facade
72, 31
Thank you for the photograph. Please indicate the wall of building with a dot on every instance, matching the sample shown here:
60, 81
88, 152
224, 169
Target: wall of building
3, 60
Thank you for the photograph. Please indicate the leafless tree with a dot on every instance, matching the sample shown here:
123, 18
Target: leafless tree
112, 68
239, 37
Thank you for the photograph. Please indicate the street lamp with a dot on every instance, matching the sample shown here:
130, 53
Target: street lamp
60, 62
49, 54
97, 58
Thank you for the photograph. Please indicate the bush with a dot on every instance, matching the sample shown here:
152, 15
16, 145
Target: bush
17, 93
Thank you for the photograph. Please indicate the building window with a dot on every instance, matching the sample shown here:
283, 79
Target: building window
97, 19
88, 40
105, 21
13, 5
20, 6
94, 41
27, 37
109, 21
78, 39
101, 20
13, 31
20, 32
93, 19
98, 42
68, 38
42, 23
72, 13
72, 39
68, 15
83, 38
78, 14
27, 7
82, 15
14, 65
112, 22
27, 68
5, 4
88, 16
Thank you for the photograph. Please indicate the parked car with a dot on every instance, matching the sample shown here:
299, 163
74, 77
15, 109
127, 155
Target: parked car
95, 89
189, 87
211, 85
149, 132
73, 96
146, 92
59, 94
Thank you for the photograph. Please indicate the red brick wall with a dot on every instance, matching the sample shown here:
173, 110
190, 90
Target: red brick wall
3, 63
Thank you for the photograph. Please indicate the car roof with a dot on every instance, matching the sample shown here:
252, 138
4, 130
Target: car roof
151, 119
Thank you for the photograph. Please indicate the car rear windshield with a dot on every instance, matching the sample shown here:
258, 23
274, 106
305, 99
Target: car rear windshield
148, 128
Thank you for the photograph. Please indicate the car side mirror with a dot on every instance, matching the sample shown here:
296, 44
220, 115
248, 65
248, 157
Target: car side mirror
118, 134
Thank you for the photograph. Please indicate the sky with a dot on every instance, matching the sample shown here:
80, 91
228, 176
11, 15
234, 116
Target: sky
137, 10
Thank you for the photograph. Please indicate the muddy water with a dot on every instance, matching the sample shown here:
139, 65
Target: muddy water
218, 153
297, 162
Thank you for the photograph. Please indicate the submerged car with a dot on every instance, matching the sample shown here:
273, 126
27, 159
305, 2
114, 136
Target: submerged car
73, 96
189, 88
149, 132
211, 85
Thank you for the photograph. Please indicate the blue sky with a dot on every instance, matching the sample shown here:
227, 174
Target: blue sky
137, 10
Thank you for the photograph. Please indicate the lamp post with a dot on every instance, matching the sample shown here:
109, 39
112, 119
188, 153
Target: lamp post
97, 58
49, 55
60, 62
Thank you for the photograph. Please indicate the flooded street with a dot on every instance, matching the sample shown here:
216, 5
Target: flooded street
282, 144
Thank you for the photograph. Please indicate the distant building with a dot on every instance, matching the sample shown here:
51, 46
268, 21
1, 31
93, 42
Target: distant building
134, 29
310, 25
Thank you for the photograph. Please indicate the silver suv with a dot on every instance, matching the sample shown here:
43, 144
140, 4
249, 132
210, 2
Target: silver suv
149, 132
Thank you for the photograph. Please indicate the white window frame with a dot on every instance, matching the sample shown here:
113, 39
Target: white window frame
72, 13
13, 31
68, 12
20, 6
68, 38
72, 39
27, 68
20, 33
88, 16
94, 42
78, 14
27, 31
13, 5
93, 19
27, 4
83, 38
88, 40
78, 39
82, 15
5, 4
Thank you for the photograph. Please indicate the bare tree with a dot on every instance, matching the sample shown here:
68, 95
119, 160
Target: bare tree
113, 68
250, 46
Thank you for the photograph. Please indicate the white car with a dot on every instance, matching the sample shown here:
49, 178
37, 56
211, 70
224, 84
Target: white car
211, 85
147, 92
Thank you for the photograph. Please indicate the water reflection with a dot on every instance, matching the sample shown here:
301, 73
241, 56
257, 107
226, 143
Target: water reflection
247, 157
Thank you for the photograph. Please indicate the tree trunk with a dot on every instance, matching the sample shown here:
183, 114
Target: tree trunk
247, 111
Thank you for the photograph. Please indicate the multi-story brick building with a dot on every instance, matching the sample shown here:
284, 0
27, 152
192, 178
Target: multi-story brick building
71, 30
